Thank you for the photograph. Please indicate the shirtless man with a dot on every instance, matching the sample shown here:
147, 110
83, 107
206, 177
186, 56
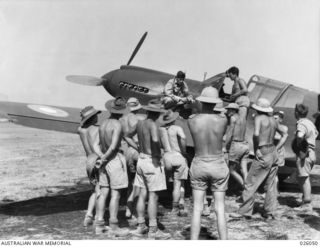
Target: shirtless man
89, 135
305, 145
113, 172
278, 116
264, 167
236, 145
150, 176
173, 142
129, 146
208, 166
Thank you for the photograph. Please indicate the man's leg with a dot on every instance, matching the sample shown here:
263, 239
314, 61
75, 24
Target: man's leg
141, 206
256, 176
219, 207
182, 193
176, 193
88, 220
244, 169
198, 197
102, 195
305, 186
153, 210
270, 202
235, 174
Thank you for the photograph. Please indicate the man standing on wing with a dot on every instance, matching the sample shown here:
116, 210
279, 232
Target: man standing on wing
264, 167
150, 176
89, 135
173, 140
208, 166
113, 172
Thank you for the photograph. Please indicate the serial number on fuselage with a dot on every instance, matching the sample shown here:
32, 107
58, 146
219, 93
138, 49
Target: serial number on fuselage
133, 87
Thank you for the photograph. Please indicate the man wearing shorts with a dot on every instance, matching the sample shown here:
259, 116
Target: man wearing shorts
173, 142
113, 172
306, 135
208, 166
236, 145
89, 135
150, 175
129, 145
264, 167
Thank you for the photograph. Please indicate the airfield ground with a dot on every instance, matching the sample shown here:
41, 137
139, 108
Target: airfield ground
44, 192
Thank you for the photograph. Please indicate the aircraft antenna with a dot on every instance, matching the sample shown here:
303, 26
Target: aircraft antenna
137, 47
204, 76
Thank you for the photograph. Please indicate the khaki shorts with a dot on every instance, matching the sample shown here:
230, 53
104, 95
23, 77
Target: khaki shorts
243, 100
114, 173
238, 151
304, 166
92, 171
176, 166
150, 173
209, 170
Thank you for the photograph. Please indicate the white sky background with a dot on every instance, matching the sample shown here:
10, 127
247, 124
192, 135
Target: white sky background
42, 41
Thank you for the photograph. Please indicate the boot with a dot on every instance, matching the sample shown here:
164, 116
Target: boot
88, 220
140, 231
116, 231
156, 234
100, 227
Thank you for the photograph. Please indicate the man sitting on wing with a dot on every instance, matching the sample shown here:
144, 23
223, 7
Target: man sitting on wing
176, 92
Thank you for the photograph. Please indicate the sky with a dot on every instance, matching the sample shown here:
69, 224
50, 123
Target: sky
42, 41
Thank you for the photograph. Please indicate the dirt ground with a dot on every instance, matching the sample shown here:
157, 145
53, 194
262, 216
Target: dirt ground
44, 193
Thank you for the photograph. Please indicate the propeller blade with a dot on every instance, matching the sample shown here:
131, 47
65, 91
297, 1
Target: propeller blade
137, 47
85, 80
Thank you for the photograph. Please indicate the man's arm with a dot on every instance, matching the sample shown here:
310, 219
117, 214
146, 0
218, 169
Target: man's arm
283, 131
243, 90
155, 136
300, 135
168, 88
256, 133
96, 143
182, 141
116, 135
229, 133
132, 122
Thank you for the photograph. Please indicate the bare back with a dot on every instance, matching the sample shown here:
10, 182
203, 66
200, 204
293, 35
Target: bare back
240, 126
110, 134
265, 128
207, 131
170, 137
148, 137
90, 139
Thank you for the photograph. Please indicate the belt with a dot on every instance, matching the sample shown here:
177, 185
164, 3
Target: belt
238, 140
266, 146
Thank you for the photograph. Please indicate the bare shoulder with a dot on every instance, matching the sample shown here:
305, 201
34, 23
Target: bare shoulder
80, 130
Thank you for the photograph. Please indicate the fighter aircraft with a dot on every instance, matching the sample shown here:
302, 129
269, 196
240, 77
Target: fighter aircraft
145, 84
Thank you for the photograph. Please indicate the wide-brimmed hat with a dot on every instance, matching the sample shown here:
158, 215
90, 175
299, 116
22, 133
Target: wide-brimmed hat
219, 107
154, 105
209, 95
262, 105
234, 106
168, 117
117, 106
133, 104
86, 113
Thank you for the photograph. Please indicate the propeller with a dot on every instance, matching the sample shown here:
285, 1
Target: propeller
137, 47
85, 80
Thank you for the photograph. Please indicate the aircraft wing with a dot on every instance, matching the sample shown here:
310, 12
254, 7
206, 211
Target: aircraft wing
64, 119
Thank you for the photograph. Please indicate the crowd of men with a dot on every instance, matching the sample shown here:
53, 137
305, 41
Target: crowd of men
144, 152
